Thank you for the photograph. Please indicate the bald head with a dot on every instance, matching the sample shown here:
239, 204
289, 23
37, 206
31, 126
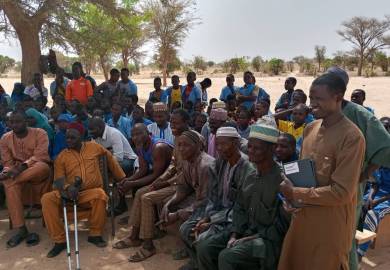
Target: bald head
140, 134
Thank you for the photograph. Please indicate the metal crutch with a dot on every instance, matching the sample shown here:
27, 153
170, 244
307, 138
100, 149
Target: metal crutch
76, 238
67, 235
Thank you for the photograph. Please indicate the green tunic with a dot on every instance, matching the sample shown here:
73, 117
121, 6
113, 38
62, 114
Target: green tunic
255, 213
377, 152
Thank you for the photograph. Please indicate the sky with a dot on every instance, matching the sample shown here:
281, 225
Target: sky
269, 28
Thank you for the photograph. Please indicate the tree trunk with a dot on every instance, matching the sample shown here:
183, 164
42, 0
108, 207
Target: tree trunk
360, 64
125, 58
165, 72
102, 61
31, 52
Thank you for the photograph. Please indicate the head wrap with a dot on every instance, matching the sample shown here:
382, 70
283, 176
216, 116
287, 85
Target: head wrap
194, 136
77, 126
160, 107
219, 104
227, 132
340, 73
265, 129
219, 114
65, 117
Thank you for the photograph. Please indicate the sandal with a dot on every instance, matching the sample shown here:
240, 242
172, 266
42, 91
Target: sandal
32, 239
142, 254
16, 239
127, 243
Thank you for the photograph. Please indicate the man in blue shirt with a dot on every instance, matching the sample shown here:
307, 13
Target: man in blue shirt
125, 85
123, 124
358, 96
190, 92
229, 89
250, 92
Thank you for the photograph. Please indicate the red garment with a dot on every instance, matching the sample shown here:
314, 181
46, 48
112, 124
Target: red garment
79, 89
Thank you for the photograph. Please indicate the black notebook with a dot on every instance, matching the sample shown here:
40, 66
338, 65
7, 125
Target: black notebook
301, 173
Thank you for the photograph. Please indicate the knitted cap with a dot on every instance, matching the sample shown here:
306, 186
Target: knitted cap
219, 104
227, 132
160, 107
219, 114
265, 129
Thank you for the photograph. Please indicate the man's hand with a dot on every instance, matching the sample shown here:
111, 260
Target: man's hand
231, 242
202, 225
289, 208
125, 185
16, 170
183, 214
286, 188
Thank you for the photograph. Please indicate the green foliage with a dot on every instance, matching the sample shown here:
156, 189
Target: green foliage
275, 66
328, 62
238, 64
210, 63
199, 64
6, 63
380, 59
257, 63
172, 66
319, 54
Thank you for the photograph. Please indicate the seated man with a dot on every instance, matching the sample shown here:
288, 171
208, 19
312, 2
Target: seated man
217, 118
118, 121
80, 159
228, 172
161, 128
256, 236
285, 150
114, 141
154, 157
142, 215
25, 157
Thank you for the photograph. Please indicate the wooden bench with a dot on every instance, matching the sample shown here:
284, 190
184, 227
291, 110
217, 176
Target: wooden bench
364, 236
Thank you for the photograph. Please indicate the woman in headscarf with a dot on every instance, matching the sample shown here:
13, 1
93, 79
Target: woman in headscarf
17, 93
39, 120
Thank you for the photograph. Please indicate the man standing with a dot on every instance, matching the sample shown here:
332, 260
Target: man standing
321, 231
24, 155
79, 88
125, 85
161, 128
203, 85
228, 172
174, 92
358, 96
80, 159
286, 98
114, 141
255, 238
229, 89
108, 87
190, 92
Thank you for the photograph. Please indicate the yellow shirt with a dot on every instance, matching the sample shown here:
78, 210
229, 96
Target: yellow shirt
175, 95
288, 127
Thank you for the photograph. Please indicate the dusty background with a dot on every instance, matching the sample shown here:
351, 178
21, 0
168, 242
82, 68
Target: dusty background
378, 97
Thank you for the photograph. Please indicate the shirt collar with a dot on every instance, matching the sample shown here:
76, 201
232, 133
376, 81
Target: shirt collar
104, 136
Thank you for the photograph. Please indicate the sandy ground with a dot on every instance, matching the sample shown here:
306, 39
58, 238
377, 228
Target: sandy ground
377, 88
22, 257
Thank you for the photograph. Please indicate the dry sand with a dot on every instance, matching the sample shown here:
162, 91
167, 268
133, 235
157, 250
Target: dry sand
378, 96
377, 88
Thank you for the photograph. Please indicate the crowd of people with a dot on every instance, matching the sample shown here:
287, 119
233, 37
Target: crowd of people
214, 166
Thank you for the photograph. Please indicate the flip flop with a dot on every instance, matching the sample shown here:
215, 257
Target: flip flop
32, 239
16, 240
141, 255
127, 243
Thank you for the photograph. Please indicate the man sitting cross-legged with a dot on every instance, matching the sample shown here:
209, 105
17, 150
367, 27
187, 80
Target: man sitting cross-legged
255, 239
80, 159
25, 157
142, 215
228, 171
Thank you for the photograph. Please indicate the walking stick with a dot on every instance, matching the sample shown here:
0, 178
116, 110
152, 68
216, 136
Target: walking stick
67, 235
76, 237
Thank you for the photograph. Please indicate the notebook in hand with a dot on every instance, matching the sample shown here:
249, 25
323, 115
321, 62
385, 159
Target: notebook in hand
301, 173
